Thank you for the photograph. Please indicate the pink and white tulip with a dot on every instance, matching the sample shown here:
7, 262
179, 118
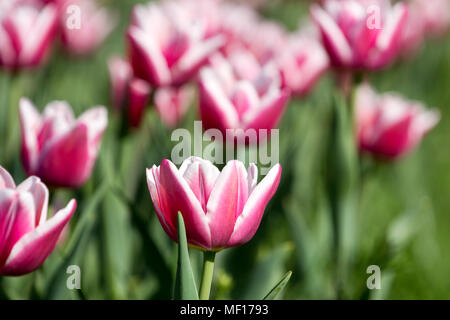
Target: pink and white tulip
120, 75
58, 148
27, 237
301, 62
27, 30
95, 24
389, 126
239, 93
173, 103
361, 34
167, 46
221, 209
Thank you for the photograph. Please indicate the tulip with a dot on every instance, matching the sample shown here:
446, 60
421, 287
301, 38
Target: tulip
26, 236
241, 94
436, 14
120, 75
302, 61
220, 209
173, 103
389, 126
27, 31
167, 47
361, 34
138, 96
95, 24
58, 148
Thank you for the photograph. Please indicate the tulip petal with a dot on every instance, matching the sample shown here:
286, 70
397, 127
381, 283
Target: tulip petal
8, 198
96, 120
201, 175
226, 202
147, 59
215, 107
30, 125
120, 73
138, 96
6, 181
40, 194
67, 161
248, 222
159, 200
32, 249
339, 48
180, 198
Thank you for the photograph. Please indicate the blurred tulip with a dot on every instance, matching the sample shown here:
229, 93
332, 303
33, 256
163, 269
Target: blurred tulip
220, 209
241, 94
361, 34
388, 125
138, 96
167, 46
26, 236
95, 24
58, 148
436, 14
120, 74
302, 61
173, 103
27, 30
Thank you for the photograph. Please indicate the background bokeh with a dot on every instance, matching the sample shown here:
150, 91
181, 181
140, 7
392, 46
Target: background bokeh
403, 220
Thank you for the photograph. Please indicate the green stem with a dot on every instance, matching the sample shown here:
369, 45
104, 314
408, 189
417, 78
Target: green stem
208, 270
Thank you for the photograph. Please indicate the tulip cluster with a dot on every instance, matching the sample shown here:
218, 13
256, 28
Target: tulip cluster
29, 28
173, 43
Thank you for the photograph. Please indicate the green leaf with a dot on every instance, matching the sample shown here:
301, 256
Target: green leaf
185, 288
278, 287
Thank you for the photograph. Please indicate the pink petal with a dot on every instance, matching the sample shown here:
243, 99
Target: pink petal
96, 120
335, 41
159, 200
30, 124
248, 222
40, 195
215, 108
32, 249
269, 114
6, 181
201, 176
138, 96
17, 220
147, 59
180, 198
172, 103
67, 161
120, 73
226, 202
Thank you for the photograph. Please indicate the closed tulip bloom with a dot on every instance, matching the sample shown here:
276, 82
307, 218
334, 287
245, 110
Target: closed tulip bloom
120, 75
27, 30
238, 93
95, 24
173, 103
167, 47
27, 237
58, 148
302, 61
361, 34
138, 97
389, 126
221, 209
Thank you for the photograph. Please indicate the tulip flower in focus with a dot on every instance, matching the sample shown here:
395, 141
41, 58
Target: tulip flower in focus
221, 209
361, 34
95, 24
173, 103
26, 236
302, 61
239, 93
27, 30
167, 46
58, 148
389, 126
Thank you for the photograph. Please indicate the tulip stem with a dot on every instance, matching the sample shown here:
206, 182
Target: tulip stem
207, 276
